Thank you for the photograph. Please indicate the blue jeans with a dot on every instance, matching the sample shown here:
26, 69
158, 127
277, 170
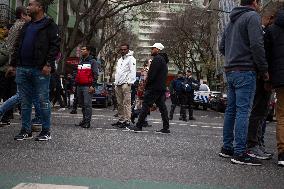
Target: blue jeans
32, 84
15, 100
241, 91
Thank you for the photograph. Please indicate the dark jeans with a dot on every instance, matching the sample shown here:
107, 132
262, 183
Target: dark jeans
151, 97
85, 100
258, 114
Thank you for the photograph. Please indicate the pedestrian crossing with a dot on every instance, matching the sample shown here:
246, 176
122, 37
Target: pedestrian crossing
47, 186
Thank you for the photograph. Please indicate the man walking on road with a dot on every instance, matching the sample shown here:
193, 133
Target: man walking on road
155, 89
243, 48
125, 76
38, 47
86, 79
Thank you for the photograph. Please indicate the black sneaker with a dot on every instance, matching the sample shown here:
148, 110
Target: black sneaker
23, 135
80, 124
124, 125
117, 123
281, 159
164, 131
191, 118
226, 153
86, 125
73, 111
134, 128
43, 136
245, 159
146, 124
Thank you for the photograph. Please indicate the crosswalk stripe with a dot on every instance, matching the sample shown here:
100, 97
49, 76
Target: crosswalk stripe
47, 186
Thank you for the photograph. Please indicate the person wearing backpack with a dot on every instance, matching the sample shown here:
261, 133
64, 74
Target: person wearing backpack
176, 93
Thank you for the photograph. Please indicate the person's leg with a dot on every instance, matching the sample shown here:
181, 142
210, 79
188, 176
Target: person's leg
10, 103
126, 91
258, 114
280, 124
24, 81
230, 114
190, 110
87, 104
245, 90
119, 97
41, 84
160, 102
148, 101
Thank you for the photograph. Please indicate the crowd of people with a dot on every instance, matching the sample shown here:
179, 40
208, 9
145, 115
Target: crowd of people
253, 66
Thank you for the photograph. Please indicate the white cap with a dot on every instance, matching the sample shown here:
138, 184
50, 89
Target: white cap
158, 46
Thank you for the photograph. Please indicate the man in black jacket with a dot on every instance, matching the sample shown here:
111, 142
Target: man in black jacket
155, 89
274, 46
35, 59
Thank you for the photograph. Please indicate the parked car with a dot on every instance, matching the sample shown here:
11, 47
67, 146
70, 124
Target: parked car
218, 101
201, 97
102, 95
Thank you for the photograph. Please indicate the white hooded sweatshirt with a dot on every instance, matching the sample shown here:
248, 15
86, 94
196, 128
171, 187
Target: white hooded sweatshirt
125, 70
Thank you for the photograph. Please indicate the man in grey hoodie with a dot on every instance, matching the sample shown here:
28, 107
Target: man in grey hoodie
242, 46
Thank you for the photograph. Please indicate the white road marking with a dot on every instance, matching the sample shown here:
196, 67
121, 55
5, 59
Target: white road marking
157, 122
47, 186
111, 129
205, 126
193, 125
182, 124
217, 127
173, 123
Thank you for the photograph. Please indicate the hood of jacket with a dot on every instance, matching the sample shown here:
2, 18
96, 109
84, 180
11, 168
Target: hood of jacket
237, 12
130, 53
88, 58
279, 21
165, 56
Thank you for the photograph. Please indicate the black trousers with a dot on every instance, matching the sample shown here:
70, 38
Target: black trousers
258, 114
186, 103
151, 97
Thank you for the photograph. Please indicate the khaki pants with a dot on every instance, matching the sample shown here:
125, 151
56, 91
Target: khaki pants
123, 96
280, 119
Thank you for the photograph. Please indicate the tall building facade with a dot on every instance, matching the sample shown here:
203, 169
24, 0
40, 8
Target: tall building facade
147, 26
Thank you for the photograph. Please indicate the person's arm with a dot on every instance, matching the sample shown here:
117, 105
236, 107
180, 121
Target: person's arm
54, 45
153, 71
95, 72
222, 44
132, 74
255, 34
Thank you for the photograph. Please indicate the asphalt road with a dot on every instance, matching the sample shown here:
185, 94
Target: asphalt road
103, 157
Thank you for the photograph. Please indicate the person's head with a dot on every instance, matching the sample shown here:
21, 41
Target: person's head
256, 4
188, 73
37, 8
85, 51
21, 13
124, 49
180, 74
156, 48
267, 20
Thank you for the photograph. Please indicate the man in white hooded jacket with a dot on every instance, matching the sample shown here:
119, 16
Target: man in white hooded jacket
125, 76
